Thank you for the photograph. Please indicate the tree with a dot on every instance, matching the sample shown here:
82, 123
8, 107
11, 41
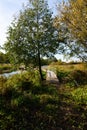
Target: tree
72, 21
32, 34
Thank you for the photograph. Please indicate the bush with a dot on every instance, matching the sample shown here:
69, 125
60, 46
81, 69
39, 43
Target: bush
62, 75
24, 79
79, 76
73, 78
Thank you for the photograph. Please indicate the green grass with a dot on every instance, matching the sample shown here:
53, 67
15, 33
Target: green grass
79, 95
6, 68
28, 104
72, 74
69, 67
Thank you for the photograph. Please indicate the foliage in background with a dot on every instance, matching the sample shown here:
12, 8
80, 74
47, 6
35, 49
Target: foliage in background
72, 23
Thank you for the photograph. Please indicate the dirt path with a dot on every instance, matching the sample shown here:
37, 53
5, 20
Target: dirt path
51, 77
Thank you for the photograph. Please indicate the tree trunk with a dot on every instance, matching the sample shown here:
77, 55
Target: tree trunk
39, 64
39, 60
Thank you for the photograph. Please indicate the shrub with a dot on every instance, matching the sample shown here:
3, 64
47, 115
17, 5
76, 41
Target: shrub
78, 77
73, 78
23, 80
62, 75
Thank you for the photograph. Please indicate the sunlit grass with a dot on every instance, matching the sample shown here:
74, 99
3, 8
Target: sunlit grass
79, 95
69, 67
26, 103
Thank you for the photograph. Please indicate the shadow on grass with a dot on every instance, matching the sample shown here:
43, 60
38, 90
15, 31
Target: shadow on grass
44, 107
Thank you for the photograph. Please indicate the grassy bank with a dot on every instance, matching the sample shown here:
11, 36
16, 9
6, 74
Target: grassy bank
68, 66
71, 74
28, 104
5, 68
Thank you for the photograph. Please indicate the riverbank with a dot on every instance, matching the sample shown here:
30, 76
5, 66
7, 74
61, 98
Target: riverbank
6, 68
28, 104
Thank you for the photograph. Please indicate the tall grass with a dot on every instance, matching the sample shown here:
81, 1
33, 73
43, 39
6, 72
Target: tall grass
27, 104
69, 67
6, 68
73, 74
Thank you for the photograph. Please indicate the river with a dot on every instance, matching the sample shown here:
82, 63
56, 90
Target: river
18, 72
10, 74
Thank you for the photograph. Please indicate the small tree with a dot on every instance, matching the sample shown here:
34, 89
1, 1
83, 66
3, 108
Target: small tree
32, 35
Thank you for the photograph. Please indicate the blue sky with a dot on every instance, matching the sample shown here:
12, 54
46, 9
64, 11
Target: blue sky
9, 8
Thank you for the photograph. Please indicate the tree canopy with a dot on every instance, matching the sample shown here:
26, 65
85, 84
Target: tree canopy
72, 21
32, 34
